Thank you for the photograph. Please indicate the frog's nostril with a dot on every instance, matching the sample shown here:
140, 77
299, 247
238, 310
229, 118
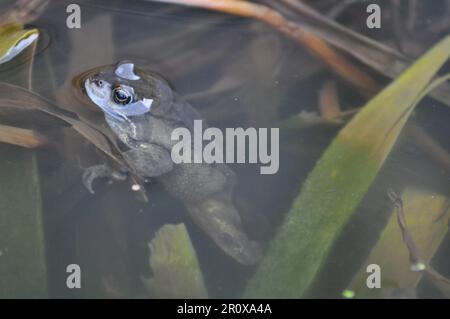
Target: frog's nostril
97, 82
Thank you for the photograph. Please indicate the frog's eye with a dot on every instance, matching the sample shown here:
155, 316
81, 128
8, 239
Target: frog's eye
121, 95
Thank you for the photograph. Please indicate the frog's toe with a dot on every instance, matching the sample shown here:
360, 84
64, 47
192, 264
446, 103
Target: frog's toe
92, 173
88, 178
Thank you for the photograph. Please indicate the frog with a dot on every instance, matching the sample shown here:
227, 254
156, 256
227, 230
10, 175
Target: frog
142, 110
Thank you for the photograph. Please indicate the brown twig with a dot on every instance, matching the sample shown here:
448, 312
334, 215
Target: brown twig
329, 101
414, 257
317, 46
21, 137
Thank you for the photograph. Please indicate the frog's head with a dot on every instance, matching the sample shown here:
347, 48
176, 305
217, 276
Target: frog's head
123, 91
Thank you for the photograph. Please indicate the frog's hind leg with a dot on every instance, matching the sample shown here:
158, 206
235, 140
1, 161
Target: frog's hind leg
221, 221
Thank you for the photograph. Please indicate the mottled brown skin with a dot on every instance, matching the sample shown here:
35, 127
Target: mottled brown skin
205, 189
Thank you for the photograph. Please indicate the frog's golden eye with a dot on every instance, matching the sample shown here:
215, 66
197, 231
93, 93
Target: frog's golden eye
121, 96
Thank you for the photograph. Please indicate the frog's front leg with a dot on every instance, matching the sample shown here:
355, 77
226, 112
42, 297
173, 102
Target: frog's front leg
92, 173
149, 160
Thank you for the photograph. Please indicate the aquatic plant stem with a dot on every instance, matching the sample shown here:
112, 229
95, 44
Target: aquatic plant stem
21, 137
338, 63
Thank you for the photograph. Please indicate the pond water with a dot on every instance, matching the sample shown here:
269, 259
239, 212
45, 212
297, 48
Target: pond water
237, 73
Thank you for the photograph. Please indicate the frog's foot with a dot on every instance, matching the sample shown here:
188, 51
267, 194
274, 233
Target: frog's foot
92, 173
221, 221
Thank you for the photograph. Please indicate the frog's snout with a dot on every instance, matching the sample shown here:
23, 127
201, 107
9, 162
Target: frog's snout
96, 81
95, 89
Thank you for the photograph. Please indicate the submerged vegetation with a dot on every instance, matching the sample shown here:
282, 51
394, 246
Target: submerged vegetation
132, 240
340, 179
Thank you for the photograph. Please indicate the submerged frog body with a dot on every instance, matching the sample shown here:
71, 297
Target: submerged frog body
143, 111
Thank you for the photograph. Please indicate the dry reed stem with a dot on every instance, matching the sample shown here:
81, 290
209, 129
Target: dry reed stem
21, 137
